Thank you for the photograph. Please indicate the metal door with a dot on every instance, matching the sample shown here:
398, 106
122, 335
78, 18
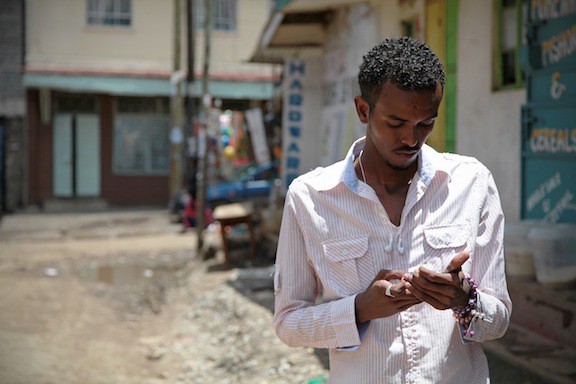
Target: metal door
62, 163
76, 155
2, 173
87, 169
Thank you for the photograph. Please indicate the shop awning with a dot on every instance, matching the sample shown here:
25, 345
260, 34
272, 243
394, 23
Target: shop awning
297, 29
134, 86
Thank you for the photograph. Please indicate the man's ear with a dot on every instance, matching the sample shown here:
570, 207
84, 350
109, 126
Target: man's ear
362, 109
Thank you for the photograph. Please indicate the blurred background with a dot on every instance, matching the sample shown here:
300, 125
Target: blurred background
120, 119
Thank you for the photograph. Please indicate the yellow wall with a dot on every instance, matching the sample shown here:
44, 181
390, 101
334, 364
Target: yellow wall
231, 49
58, 39
436, 39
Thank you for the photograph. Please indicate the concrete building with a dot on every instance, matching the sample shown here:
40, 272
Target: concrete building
480, 113
101, 81
12, 106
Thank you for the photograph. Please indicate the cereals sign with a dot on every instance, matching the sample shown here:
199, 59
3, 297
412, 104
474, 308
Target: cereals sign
553, 140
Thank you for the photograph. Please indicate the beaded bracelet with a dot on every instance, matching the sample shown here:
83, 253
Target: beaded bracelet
465, 315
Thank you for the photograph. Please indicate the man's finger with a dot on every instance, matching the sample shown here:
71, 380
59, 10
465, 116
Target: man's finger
457, 261
386, 274
433, 301
396, 290
441, 292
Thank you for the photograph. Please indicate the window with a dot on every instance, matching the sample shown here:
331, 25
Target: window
141, 136
109, 12
223, 14
509, 39
73, 103
408, 27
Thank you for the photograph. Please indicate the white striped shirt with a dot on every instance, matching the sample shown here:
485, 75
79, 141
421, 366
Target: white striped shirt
335, 237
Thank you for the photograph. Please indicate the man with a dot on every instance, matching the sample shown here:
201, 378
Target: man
393, 257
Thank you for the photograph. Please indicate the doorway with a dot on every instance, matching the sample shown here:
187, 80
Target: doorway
441, 35
76, 154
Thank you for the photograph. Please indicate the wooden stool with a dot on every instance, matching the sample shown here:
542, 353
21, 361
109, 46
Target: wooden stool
232, 214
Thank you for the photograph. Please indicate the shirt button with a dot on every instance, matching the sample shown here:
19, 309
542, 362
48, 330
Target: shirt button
345, 252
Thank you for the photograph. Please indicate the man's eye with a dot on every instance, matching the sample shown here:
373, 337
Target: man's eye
427, 123
397, 125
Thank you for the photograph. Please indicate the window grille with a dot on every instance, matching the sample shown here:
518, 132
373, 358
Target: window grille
141, 136
109, 12
71, 103
223, 14
510, 35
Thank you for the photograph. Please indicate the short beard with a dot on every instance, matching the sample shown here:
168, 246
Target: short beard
398, 167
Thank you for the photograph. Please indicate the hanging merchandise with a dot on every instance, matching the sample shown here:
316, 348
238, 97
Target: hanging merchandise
240, 141
229, 152
255, 121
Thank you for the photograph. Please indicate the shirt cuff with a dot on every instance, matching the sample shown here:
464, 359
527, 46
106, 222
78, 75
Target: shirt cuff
362, 328
344, 322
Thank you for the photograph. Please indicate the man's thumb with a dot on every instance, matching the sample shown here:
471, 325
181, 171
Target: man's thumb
457, 261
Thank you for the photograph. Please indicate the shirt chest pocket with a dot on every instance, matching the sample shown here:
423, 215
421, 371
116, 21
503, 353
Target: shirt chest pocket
344, 257
443, 242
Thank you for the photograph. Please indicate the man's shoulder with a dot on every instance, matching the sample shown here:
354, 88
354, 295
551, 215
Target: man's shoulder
318, 178
458, 162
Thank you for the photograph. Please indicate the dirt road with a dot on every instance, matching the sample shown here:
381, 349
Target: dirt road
120, 298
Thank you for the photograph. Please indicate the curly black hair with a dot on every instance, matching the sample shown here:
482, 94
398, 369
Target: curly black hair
410, 64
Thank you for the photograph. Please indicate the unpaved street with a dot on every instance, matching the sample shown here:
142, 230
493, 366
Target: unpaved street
119, 297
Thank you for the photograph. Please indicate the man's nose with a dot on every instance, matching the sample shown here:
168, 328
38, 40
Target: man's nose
410, 137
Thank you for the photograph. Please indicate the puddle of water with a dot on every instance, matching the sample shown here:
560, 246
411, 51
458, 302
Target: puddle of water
130, 273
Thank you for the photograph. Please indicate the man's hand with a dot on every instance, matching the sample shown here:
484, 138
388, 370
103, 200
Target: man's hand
441, 290
374, 303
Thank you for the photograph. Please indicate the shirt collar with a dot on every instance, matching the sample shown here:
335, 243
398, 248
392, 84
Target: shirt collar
429, 163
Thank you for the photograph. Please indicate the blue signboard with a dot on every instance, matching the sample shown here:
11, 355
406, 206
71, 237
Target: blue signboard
549, 162
551, 33
551, 85
549, 116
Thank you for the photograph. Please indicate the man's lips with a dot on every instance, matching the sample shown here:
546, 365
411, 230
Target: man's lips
408, 153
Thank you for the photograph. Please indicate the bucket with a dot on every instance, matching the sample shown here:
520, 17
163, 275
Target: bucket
518, 252
555, 254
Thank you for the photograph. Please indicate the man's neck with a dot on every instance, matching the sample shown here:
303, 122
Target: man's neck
386, 175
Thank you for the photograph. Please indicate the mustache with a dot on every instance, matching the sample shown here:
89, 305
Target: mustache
406, 148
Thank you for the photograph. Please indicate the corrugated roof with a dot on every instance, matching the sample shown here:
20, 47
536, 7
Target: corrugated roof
297, 30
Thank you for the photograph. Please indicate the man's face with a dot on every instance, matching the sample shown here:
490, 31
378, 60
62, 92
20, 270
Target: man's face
399, 123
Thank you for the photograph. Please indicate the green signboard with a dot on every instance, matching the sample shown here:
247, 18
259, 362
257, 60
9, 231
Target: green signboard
551, 33
549, 162
549, 116
551, 85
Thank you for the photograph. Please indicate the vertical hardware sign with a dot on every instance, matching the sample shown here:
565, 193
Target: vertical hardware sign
292, 125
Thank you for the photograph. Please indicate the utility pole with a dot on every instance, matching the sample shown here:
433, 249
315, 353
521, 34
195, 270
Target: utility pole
176, 106
201, 176
191, 106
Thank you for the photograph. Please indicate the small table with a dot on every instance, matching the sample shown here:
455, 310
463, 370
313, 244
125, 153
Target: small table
232, 214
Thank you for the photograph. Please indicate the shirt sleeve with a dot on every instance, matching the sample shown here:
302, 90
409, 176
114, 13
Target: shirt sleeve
298, 319
487, 268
